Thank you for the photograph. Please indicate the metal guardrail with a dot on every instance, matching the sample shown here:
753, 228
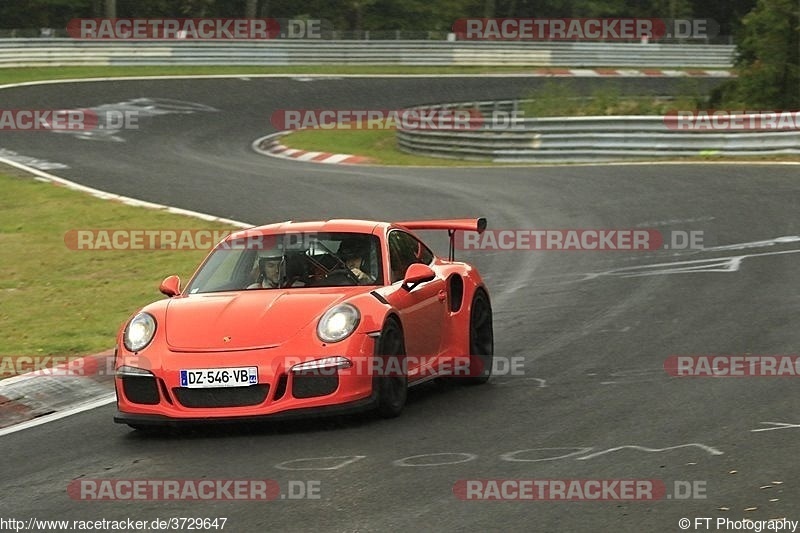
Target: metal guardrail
576, 139
69, 52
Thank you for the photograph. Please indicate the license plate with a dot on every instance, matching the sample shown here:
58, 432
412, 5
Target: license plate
200, 378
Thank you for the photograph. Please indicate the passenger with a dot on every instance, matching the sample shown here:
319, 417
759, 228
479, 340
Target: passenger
354, 251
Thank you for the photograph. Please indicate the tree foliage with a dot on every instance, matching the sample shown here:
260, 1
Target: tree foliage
346, 15
768, 59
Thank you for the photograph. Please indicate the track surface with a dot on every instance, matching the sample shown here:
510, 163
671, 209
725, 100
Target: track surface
593, 347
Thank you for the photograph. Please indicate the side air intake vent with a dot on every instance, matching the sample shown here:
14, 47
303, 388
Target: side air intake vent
455, 286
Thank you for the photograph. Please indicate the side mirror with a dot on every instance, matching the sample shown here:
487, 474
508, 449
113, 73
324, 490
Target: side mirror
171, 286
417, 273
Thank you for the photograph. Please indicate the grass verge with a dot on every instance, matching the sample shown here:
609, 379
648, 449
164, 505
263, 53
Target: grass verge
18, 75
58, 301
561, 98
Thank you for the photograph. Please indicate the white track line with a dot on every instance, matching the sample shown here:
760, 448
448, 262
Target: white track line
81, 407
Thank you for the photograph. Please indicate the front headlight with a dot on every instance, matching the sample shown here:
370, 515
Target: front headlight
338, 323
139, 332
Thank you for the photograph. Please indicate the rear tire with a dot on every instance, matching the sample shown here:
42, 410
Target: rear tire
481, 340
392, 389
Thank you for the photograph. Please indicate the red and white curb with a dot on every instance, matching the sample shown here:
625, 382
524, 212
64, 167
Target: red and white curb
632, 73
33, 398
272, 147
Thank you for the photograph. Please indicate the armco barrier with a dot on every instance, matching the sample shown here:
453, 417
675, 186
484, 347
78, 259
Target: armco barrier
70, 52
576, 139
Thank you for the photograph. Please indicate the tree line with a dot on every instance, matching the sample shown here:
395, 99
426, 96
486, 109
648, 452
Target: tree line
375, 15
766, 32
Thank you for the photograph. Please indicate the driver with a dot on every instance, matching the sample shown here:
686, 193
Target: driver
268, 272
278, 270
353, 251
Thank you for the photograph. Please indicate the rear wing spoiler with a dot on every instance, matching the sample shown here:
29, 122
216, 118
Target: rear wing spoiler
453, 225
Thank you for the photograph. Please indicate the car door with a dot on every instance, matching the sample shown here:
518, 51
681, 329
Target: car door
422, 309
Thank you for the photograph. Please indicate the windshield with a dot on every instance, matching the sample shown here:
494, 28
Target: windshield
291, 260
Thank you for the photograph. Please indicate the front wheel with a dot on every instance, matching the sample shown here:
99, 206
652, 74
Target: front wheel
481, 340
392, 381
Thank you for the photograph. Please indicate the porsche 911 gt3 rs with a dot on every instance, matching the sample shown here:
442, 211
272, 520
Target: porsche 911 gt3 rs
301, 318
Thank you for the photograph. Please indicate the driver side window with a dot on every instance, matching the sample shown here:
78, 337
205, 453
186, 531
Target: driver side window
405, 250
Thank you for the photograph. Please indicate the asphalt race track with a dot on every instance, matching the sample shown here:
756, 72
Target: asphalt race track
595, 401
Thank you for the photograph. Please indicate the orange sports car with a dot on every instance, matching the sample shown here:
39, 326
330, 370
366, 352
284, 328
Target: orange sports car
302, 318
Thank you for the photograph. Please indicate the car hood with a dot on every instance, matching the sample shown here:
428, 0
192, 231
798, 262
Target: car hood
243, 320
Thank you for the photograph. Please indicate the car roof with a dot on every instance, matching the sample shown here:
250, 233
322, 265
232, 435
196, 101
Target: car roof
321, 226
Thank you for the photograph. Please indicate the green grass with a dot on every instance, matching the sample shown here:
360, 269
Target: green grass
17, 75
560, 98
58, 301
